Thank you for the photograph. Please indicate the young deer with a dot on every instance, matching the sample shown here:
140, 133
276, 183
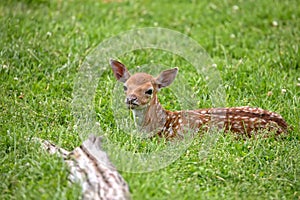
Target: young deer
141, 97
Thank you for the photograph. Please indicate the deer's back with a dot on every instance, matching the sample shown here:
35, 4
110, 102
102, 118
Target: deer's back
244, 120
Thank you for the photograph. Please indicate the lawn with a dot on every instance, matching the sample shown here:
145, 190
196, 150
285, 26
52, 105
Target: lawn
255, 48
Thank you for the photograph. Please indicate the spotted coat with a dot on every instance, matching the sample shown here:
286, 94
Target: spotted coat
245, 120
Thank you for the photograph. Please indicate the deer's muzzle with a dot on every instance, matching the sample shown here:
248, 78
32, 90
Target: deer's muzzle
132, 101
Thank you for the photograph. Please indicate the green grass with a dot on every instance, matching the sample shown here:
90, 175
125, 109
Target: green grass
43, 43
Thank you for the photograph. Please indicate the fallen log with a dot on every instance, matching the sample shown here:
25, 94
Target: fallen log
90, 166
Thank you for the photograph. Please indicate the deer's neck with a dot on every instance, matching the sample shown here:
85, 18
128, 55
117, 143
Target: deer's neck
152, 117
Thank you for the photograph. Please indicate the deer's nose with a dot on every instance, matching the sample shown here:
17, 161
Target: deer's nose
131, 99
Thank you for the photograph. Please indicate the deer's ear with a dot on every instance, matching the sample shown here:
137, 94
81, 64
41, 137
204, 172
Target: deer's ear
120, 71
166, 77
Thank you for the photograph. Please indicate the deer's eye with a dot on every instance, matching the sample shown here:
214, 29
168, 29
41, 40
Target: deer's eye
125, 88
149, 92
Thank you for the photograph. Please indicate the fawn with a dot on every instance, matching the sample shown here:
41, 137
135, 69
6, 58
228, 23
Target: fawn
141, 97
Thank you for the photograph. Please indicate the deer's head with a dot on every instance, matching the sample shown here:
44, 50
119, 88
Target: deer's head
141, 88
